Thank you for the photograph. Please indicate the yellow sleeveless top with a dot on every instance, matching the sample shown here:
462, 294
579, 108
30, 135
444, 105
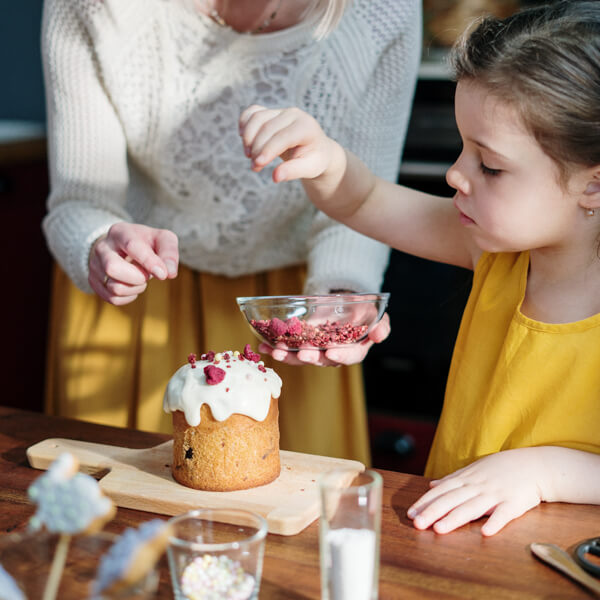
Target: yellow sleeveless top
515, 382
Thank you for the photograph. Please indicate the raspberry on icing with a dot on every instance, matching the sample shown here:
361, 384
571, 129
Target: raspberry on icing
192, 360
253, 356
213, 374
247, 387
209, 356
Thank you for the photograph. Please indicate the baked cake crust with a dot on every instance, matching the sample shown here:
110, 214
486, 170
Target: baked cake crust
237, 453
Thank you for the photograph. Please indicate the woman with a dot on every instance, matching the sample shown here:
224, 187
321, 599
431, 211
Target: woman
149, 182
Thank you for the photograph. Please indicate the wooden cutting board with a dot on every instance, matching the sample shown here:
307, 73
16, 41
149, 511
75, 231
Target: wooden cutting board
141, 479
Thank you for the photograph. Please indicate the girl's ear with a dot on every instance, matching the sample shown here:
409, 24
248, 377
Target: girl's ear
592, 191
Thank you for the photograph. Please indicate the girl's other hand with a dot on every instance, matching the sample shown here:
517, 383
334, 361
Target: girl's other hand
348, 355
122, 261
504, 486
289, 133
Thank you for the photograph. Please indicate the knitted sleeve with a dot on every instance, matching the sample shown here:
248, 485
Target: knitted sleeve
387, 32
86, 144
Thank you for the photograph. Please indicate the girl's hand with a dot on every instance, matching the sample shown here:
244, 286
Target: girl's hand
504, 485
349, 355
289, 133
122, 261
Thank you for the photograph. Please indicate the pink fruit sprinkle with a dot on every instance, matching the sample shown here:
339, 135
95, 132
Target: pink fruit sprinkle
253, 356
277, 327
209, 356
323, 335
294, 326
192, 360
262, 368
213, 374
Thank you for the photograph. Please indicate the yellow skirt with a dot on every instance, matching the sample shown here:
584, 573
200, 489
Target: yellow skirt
111, 364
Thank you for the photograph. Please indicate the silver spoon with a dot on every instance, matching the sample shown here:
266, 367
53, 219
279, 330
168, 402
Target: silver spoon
562, 561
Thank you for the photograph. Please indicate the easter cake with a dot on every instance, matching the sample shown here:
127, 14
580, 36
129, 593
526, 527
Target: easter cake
225, 421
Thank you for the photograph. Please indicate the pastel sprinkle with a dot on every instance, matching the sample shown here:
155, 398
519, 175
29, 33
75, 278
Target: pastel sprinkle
211, 577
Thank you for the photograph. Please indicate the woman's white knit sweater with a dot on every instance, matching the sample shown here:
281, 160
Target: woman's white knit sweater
143, 101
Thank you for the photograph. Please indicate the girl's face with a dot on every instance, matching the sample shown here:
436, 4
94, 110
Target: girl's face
507, 189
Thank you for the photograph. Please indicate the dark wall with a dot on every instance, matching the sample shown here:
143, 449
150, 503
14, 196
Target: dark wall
21, 90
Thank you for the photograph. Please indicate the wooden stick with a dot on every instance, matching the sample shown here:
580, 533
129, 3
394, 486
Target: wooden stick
58, 565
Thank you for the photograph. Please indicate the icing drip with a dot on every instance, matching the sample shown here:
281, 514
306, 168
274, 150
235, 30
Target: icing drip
246, 388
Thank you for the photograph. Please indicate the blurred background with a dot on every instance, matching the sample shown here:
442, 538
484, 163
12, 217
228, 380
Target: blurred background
404, 376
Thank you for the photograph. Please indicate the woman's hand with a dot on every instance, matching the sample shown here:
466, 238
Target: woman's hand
504, 485
289, 133
345, 355
122, 261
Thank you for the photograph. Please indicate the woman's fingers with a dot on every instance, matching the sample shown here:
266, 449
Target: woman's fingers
167, 249
313, 357
105, 289
122, 261
143, 247
381, 330
349, 355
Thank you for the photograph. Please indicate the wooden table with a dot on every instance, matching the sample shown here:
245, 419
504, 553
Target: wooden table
414, 564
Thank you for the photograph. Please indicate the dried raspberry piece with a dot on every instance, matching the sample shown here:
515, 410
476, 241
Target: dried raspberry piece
209, 356
213, 374
294, 326
262, 368
277, 327
253, 356
192, 360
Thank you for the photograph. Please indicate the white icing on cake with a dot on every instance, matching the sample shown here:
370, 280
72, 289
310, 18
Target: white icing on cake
246, 389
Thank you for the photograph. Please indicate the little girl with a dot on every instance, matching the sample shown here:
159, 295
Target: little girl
521, 417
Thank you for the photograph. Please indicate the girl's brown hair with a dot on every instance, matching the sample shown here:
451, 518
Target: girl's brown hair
545, 62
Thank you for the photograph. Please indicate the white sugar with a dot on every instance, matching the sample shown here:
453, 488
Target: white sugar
352, 561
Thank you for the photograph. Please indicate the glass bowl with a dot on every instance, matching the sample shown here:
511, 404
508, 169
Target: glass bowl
321, 322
